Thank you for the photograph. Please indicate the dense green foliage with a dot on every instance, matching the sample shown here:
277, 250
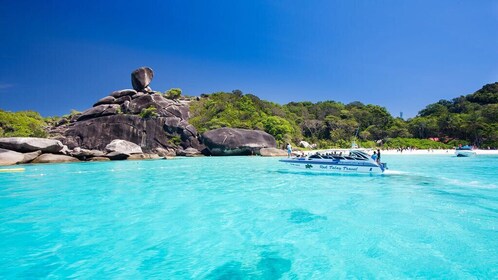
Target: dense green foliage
173, 93
328, 124
22, 124
471, 119
150, 112
235, 109
466, 119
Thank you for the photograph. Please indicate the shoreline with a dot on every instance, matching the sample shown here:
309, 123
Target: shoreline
435, 152
412, 152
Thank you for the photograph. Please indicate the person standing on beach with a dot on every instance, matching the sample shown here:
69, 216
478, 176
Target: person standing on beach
378, 155
289, 150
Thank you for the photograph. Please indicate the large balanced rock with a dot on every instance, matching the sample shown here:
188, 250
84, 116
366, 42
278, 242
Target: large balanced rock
141, 78
31, 144
235, 141
8, 157
157, 124
52, 158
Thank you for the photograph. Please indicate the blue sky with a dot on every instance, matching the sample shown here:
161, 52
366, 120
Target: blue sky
403, 55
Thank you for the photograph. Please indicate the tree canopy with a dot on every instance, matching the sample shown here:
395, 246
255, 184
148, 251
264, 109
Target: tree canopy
470, 119
466, 119
22, 124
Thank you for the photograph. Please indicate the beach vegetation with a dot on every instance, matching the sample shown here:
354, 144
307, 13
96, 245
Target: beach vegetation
22, 124
399, 142
149, 112
173, 93
175, 140
471, 119
238, 110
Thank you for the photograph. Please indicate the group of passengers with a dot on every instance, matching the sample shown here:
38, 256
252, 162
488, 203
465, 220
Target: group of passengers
376, 156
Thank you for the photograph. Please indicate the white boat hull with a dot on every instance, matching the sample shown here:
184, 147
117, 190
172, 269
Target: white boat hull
465, 153
329, 166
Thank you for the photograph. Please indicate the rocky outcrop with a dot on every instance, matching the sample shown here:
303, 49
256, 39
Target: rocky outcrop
84, 154
141, 78
8, 157
272, 152
123, 147
53, 158
100, 111
150, 134
157, 125
235, 141
117, 156
189, 152
99, 159
143, 156
28, 157
136, 115
105, 100
124, 92
31, 144
164, 152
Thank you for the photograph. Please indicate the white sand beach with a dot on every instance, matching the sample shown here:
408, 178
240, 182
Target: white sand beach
410, 152
435, 152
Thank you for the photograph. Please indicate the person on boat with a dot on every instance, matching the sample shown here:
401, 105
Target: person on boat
374, 156
378, 155
289, 150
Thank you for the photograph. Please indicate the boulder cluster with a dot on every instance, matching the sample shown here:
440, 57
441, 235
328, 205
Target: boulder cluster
136, 123
17, 150
139, 115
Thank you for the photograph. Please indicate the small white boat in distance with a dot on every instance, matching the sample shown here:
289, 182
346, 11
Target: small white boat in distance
355, 161
465, 151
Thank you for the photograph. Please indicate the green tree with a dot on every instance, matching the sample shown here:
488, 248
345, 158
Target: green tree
173, 93
280, 128
22, 124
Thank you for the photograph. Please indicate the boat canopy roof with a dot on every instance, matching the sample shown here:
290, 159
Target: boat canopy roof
351, 155
466, 147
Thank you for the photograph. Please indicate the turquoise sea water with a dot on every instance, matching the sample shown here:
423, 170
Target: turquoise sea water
250, 218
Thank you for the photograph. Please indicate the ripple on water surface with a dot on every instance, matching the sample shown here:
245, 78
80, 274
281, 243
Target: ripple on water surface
250, 218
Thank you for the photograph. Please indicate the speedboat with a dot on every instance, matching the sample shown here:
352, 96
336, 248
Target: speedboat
356, 161
465, 151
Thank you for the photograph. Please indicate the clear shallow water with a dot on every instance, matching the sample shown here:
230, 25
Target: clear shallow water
250, 218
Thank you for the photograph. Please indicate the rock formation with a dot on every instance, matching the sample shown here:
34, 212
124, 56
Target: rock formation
137, 115
235, 141
53, 158
8, 157
141, 78
133, 123
15, 156
31, 144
